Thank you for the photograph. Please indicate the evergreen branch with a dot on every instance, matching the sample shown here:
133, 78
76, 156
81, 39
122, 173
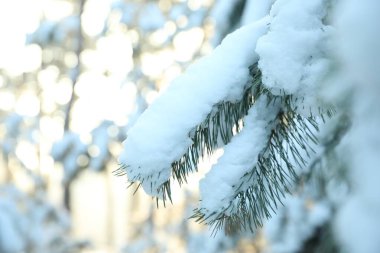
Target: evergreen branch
216, 130
269, 179
262, 188
320, 169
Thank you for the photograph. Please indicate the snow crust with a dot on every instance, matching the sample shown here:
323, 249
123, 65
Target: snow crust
161, 134
240, 155
293, 53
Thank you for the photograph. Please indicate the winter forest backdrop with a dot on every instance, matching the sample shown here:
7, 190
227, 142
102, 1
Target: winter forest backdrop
272, 132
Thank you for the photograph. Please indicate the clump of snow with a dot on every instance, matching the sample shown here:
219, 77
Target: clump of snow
67, 150
293, 53
12, 124
240, 156
161, 134
98, 150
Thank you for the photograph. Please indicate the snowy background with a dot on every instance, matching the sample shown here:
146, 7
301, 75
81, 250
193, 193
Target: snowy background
75, 77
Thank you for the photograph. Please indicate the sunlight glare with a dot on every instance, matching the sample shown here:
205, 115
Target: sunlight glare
7, 100
28, 104
51, 127
187, 43
62, 91
154, 64
115, 52
32, 58
94, 16
56, 10
27, 153
101, 98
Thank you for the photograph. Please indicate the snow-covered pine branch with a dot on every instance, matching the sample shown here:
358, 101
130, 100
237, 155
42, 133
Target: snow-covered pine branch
258, 166
162, 140
277, 78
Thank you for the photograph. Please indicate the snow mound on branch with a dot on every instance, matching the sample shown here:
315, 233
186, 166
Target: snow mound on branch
293, 53
161, 135
240, 156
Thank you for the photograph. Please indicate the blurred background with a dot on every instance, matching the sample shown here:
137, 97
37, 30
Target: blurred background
74, 75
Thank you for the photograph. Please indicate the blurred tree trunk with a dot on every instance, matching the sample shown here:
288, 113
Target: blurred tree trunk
74, 76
